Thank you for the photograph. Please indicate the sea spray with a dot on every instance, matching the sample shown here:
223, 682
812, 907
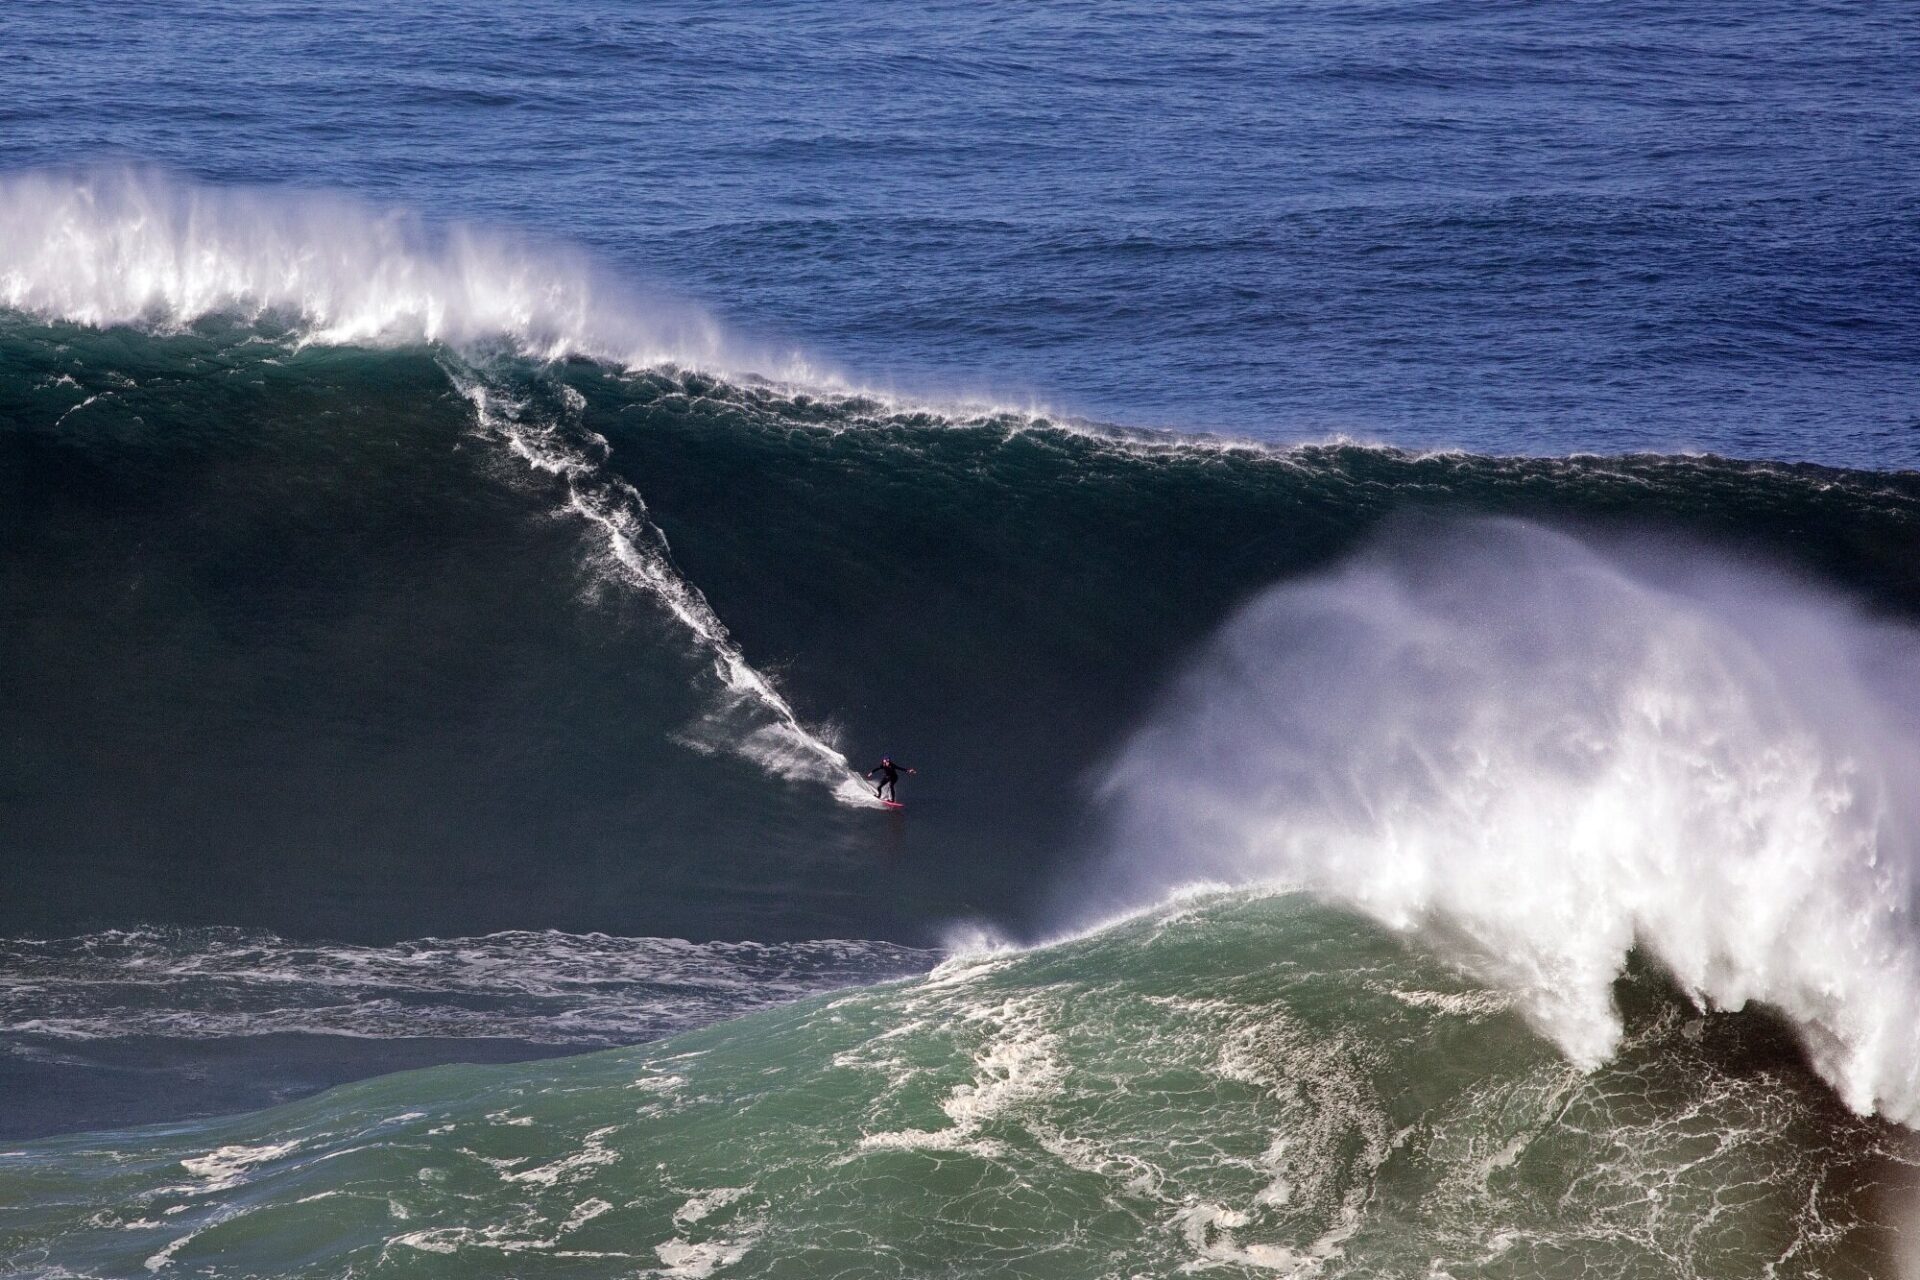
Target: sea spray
1539, 753
106, 246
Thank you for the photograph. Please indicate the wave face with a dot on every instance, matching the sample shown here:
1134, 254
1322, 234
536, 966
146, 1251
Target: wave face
1155, 1097
576, 642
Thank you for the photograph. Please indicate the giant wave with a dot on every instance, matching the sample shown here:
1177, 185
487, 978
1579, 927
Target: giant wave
444, 580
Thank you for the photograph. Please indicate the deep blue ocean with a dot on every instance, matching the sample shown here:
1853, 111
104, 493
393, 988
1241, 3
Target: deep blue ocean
1389, 534
1534, 229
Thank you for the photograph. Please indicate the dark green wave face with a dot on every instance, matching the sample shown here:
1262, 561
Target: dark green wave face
1243, 1085
342, 642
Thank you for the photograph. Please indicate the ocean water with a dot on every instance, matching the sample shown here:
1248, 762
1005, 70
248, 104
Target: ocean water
1542, 230
1389, 532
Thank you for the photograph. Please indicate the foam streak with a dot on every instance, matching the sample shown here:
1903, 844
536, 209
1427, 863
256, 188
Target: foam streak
634, 552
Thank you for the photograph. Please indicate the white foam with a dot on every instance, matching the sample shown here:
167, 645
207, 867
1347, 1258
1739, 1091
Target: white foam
1017, 1063
701, 1204
165, 1257
592, 1154
1459, 1004
1211, 1231
1538, 754
686, 1260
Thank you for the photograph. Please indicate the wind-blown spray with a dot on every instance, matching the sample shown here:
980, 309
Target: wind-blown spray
131, 246
1537, 755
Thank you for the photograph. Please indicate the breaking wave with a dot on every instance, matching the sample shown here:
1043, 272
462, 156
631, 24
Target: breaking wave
1158, 1098
118, 246
130, 247
1540, 754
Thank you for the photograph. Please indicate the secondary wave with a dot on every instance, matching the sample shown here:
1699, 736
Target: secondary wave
1158, 1098
1540, 754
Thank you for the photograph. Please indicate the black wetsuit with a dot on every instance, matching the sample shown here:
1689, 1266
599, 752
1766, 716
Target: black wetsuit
889, 774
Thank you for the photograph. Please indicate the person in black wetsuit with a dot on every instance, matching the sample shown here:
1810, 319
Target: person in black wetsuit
889, 775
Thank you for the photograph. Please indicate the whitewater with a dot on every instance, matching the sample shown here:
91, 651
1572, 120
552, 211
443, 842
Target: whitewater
1160, 1095
1542, 757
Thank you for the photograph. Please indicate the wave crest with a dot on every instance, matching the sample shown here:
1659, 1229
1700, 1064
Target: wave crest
125, 246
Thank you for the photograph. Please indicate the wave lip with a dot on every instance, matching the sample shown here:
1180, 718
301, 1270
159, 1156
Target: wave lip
116, 246
1541, 756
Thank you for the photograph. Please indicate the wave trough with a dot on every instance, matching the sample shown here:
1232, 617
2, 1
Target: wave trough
541, 987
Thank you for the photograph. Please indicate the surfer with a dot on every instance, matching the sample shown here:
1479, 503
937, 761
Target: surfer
889, 775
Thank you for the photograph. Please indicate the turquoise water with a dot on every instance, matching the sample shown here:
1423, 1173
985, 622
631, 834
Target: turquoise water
1255, 1086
